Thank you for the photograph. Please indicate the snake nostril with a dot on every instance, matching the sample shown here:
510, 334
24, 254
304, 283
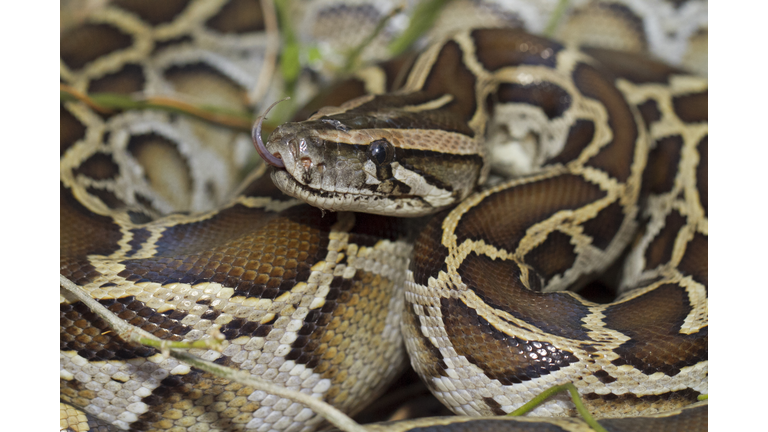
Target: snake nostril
320, 168
306, 162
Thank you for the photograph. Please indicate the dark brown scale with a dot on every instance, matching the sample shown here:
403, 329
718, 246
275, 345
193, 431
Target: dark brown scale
85, 44
71, 130
701, 173
605, 225
579, 137
83, 233
498, 48
663, 162
449, 75
692, 108
506, 358
654, 321
130, 79
552, 99
553, 256
238, 17
659, 251
152, 12
98, 166
499, 284
617, 156
240, 248
523, 206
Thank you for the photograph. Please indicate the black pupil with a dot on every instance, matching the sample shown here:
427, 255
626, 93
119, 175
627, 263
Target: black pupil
379, 151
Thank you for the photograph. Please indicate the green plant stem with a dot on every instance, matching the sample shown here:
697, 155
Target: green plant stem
554, 20
422, 19
538, 400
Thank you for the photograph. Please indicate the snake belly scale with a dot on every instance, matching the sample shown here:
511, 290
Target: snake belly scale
313, 298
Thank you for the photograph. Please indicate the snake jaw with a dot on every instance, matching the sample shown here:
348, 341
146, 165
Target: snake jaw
258, 143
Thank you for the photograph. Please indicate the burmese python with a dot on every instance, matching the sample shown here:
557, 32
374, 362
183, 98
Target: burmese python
308, 297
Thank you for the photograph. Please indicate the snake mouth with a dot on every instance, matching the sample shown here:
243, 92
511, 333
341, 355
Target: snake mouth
400, 206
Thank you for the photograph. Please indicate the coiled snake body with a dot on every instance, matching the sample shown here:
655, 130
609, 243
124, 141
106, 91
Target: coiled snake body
610, 152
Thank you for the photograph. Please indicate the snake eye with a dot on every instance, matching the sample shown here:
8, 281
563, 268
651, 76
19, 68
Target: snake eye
381, 152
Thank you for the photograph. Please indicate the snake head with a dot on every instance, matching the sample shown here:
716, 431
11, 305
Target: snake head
373, 163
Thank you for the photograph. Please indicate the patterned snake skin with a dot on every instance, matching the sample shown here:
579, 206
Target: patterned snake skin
607, 155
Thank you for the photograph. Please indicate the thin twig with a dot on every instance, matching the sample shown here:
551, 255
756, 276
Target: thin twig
354, 55
108, 103
84, 98
205, 114
135, 334
270, 55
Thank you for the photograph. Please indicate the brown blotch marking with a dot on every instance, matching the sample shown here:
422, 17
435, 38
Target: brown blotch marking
152, 11
194, 395
498, 48
140, 235
551, 98
604, 377
659, 250
429, 254
384, 111
636, 68
492, 425
140, 217
428, 358
369, 229
603, 227
207, 85
692, 108
617, 156
263, 186
82, 45
695, 261
503, 217
241, 327
257, 253
701, 173
650, 112
165, 167
107, 197
663, 163
83, 233
653, 322
70, 130
333, 95
354, 313
579, 137
166, 325
508, 359
499, 284
553, 256
84, 332
494, 406
237, 17
690, 419
129, 79
98, 166
449, 75
397, 69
